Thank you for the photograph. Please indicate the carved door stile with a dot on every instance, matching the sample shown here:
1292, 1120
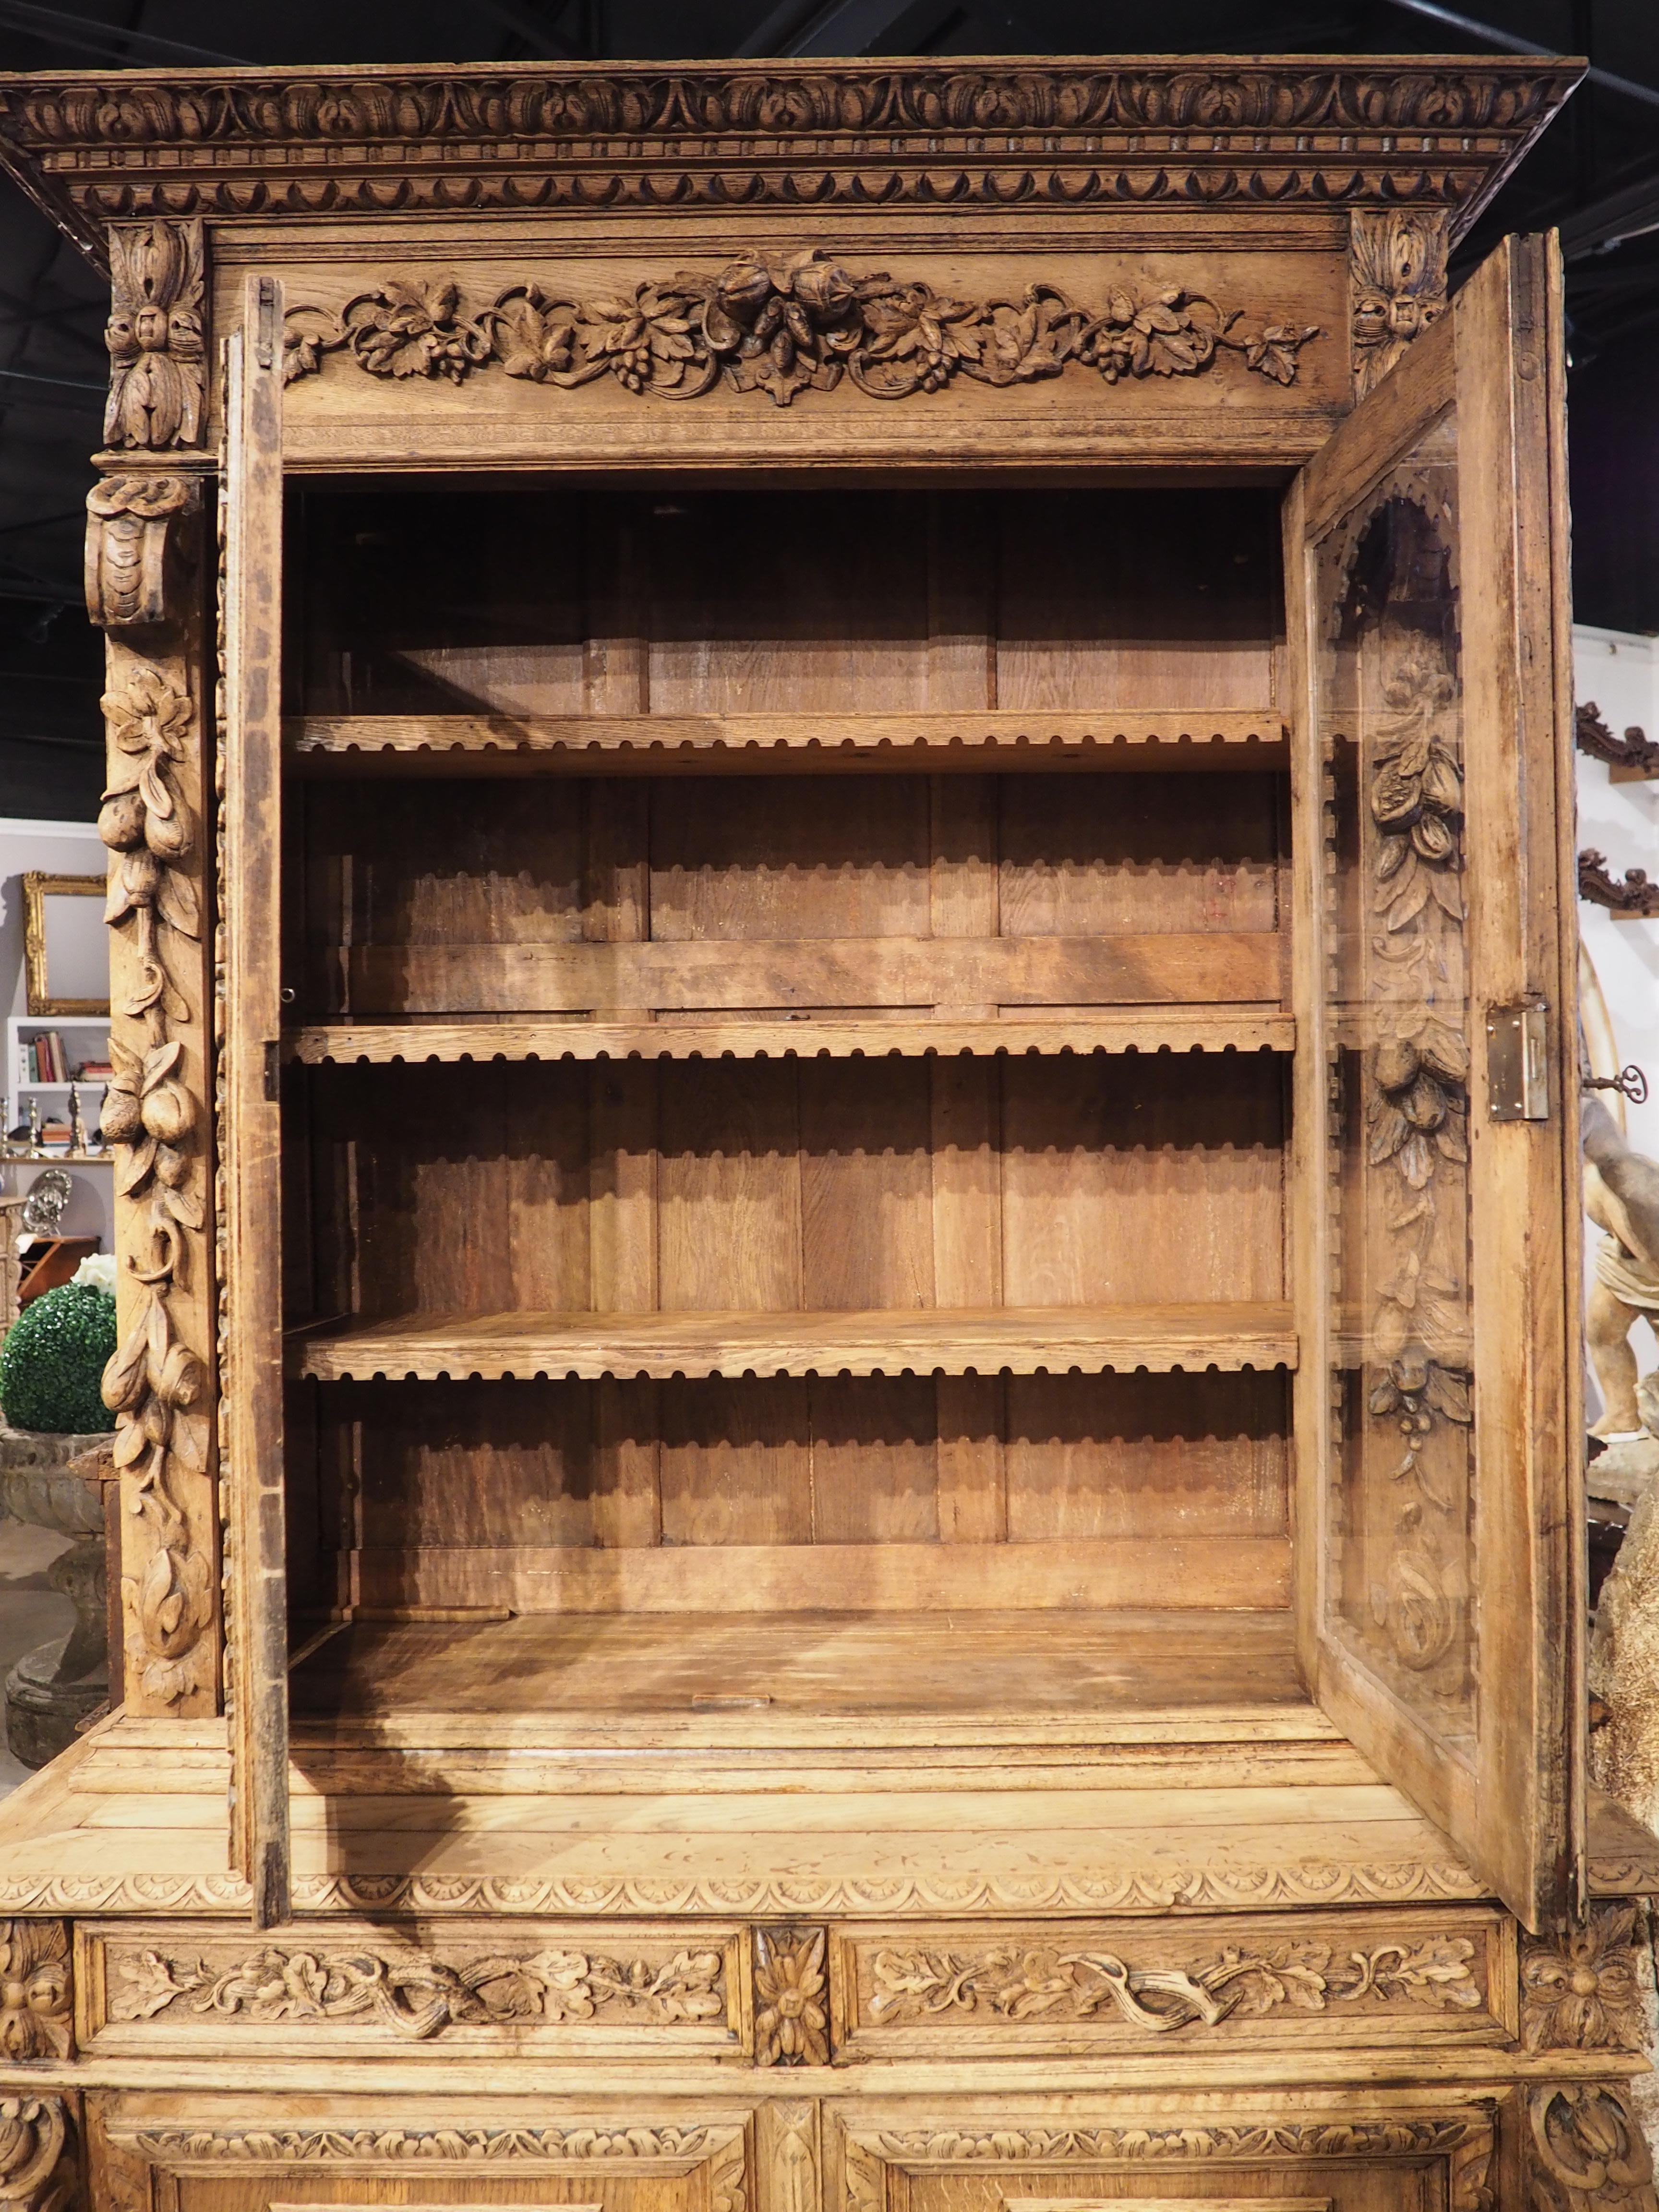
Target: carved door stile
1427, 540
252, 1407
145, 589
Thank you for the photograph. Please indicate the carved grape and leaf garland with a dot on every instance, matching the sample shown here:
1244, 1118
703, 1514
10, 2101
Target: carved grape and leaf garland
784, 328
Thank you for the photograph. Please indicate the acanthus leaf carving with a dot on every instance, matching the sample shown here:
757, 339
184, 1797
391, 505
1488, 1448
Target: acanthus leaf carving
1052, 1984
38, 2155
1579, 1989
792, 2025
416, 1996
37, 2010
155, 336
154, 1381
801, 324
1398, 285
130, 526
1588, 2153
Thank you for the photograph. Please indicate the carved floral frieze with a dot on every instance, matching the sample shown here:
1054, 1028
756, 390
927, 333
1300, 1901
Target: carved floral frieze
416, 1995
37, 2008
785, 328
1022, 1983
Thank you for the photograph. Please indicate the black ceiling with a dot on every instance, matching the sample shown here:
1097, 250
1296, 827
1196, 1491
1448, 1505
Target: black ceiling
1596, 174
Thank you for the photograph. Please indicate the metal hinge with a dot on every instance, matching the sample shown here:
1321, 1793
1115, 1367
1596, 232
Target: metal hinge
1517, 1063
267, 337
273, 1072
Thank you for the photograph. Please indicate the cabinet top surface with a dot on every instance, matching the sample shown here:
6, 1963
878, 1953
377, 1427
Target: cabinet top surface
1171, 137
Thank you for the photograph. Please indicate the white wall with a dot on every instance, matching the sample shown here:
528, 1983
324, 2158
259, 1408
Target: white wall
1620, 672
58, 848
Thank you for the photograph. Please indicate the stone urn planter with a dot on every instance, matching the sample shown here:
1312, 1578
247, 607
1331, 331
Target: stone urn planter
54, 1687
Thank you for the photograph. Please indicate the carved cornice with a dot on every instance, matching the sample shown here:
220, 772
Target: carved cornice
1114, 1889
802, 325
37, 2006
1320, 132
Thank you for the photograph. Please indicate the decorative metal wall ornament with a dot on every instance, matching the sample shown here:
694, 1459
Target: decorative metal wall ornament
785, 328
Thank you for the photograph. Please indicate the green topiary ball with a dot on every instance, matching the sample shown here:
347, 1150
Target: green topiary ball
53, 1359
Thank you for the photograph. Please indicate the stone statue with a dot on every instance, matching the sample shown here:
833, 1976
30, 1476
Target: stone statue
1621, 1196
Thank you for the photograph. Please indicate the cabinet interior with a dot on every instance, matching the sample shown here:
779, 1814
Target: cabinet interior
786, 1205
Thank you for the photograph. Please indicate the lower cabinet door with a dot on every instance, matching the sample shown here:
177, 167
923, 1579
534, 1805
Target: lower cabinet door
226, 2152
1292, 2152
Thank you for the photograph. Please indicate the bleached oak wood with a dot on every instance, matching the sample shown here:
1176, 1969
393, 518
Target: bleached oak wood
1019, 1031
252, 1134
1024, 1340
973, 740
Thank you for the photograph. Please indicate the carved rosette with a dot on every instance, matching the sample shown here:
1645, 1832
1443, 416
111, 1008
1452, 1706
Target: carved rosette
1579, 1990
131, 525
155, 336
38, 2155
801, 325
37, 2010
791, 2024
155, 1107
1586, 2151
1397, 285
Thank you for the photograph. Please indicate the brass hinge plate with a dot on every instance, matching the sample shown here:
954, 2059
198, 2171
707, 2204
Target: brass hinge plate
1517, 1063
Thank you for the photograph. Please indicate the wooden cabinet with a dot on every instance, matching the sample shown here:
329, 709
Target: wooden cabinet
846, 1096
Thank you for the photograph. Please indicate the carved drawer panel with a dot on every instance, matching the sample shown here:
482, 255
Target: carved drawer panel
252, 2154
1297, 2152
1327, 1980
459, 1985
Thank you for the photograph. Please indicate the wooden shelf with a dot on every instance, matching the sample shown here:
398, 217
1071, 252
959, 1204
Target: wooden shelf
1019, 1340
1220, 1029
475, 745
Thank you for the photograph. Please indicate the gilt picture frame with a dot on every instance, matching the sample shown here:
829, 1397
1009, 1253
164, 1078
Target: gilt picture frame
61, 950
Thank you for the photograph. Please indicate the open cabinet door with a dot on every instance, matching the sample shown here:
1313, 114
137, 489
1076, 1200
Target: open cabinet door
251, 1134
1440, 1405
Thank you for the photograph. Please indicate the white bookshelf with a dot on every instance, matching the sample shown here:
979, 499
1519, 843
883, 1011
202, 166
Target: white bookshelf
85, 1036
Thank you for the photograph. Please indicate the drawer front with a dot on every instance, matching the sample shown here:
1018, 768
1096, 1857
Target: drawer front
357, 1988
1058, 1989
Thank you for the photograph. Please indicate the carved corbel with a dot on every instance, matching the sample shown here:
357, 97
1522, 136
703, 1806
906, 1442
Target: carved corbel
1634, 899
39, 2165
1397, 285
1586, 2151
1635, 754
156, 336
37, 2007
133, 529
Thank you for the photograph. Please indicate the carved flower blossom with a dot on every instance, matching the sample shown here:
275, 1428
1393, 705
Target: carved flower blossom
1579, 1991
790, 2023
34, 1992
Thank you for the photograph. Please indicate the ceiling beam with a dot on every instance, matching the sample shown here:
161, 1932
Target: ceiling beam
1512, 42
107, 40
